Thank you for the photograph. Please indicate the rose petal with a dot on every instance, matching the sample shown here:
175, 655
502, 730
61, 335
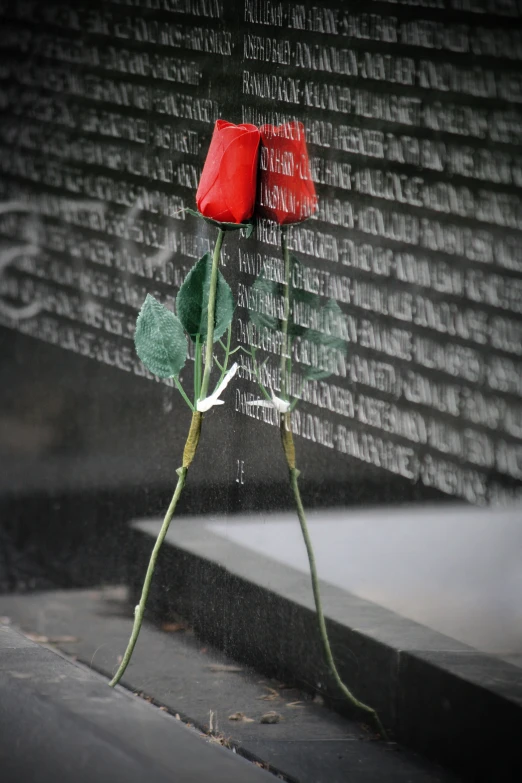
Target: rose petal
286, 197
214, 204
226, 191
238, 185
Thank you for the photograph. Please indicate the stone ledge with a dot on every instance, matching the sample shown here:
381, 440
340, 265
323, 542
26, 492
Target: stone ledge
188, 677
436, 694
60, 722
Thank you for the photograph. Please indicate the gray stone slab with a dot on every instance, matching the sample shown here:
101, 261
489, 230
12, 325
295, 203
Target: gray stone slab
261, 610
399, 558
471, 698
205, 687
59, 722
12, 641
353, 761
198, 537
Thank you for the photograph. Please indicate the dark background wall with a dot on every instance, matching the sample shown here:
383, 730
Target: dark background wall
413, 120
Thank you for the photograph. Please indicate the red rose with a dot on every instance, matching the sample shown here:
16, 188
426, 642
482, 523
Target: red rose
227, 188
286, 192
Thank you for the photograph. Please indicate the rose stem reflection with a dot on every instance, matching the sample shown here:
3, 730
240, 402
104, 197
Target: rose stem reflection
286, 361
285, 406
211, 313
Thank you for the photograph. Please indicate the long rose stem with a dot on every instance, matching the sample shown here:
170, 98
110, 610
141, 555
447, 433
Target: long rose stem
288, 445
211, 315
289, 449
286, 313
188, 455
140, 608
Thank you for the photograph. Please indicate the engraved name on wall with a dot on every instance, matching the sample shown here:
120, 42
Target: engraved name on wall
413, 118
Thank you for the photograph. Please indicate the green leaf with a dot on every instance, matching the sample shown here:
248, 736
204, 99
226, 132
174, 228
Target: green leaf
267, 290
260, 289
301, 297
330, 312
160, 341
192, 301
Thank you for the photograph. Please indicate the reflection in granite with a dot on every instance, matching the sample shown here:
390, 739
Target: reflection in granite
413, 127
21, 569
413, 124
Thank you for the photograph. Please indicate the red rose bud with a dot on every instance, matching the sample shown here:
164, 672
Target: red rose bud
286, 192
227, 188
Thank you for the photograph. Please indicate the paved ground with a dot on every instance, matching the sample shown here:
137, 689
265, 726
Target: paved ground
60, 721
309, 744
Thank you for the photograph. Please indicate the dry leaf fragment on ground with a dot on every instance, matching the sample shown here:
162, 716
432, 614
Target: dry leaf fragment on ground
272, 696
36, 637
63, 639
144, 696
219, 739
173, 627
270, 717
240, 716
223, 667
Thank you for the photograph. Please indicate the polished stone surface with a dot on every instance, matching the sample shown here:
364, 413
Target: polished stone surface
59, 721
429, 688
455, 569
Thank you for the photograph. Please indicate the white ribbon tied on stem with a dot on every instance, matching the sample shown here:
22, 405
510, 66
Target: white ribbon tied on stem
281, 406
213, 399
